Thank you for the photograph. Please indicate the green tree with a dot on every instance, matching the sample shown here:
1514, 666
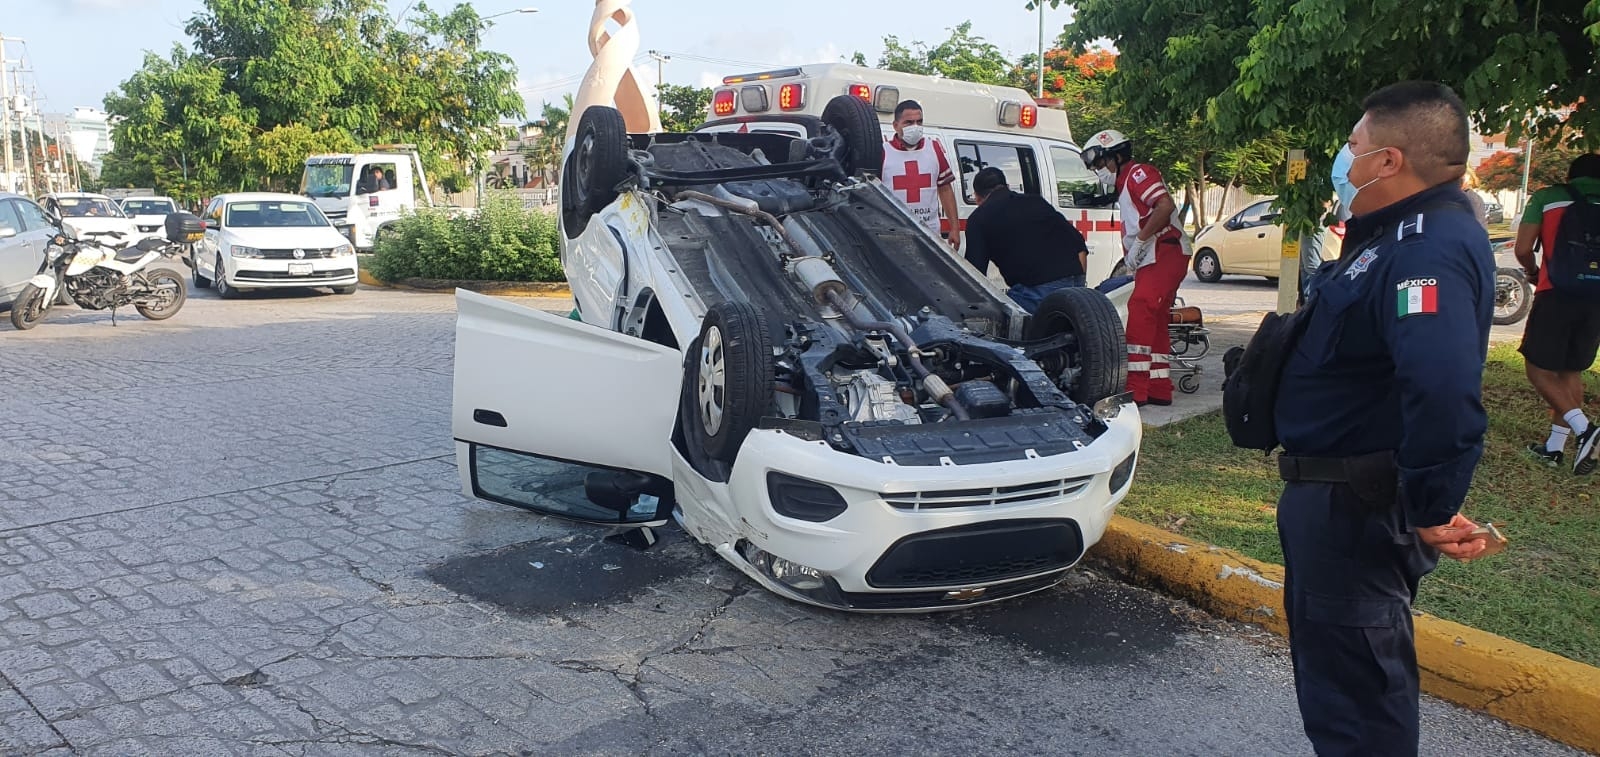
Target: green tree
544, 155
1249, 67
963, 56
683, 107
270, 81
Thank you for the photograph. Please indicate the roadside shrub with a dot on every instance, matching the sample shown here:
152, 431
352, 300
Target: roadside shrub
502, 241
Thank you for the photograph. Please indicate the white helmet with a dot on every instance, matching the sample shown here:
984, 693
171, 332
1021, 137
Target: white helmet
1107, 143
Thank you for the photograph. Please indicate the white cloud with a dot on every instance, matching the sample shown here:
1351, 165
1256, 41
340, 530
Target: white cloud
97, 6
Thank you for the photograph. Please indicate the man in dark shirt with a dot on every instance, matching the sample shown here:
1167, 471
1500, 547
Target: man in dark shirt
1036, 248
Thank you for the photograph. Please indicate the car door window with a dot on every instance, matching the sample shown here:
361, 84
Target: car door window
1018, 162
1258, 214
33, 217
10, 220
1074, 180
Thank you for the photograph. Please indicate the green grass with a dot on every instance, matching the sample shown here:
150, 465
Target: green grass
1544, 590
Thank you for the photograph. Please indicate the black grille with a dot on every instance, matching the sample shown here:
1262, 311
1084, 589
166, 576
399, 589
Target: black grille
906, 600
310, 254
978, 553
341, 273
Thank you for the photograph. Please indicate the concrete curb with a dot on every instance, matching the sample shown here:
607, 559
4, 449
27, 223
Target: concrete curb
506, 288
1524, 686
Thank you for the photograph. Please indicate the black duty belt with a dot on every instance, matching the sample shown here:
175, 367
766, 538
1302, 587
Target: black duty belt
1374, 476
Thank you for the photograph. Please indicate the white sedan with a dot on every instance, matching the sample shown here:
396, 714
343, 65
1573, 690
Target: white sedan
266, 240
83, 213
149, 214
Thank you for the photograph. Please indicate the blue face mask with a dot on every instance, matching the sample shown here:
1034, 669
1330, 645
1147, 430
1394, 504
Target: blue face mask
1341, 176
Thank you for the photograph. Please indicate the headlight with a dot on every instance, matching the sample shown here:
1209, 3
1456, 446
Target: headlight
240, 251
343, 250
1111, 407
804, 500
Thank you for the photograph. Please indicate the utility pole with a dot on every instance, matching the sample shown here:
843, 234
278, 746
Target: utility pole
661, 81
5, 117
1527, 170
44, 144
22, 130
1040, 47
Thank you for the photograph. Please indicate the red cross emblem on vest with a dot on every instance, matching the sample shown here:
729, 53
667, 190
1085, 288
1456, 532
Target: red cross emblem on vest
912, 182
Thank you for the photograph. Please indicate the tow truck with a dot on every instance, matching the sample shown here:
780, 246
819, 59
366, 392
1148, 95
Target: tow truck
359, 206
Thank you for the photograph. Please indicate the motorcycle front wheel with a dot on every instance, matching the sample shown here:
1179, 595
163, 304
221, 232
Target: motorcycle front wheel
29, 308
166, 296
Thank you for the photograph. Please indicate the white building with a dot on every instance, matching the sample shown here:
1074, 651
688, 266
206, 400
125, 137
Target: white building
88, 132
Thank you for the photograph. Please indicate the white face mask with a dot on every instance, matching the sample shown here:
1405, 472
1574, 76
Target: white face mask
911, 134
1107, 177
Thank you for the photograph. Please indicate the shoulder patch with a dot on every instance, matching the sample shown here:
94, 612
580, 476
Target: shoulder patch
1138, 174
1419, 296
1362, 263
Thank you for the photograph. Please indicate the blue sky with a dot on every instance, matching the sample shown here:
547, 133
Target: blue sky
81, 49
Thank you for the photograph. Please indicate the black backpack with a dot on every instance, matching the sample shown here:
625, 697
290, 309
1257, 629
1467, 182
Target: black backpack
1575, 261
1252, 373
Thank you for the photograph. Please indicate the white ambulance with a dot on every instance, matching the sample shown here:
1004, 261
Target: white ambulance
980, 125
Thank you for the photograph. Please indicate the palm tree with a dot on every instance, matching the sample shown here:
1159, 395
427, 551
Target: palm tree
544, 155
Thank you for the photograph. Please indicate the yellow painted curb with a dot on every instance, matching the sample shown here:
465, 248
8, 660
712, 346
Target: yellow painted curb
1529, 687
504, 288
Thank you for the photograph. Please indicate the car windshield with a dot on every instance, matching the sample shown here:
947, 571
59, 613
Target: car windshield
273, 214
326, 180
147, 207
88, 207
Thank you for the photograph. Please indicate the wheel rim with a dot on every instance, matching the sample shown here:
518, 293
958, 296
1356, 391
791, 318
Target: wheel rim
219, 279
582, 164
165, 287
1508, 299
712, 391
1208, 265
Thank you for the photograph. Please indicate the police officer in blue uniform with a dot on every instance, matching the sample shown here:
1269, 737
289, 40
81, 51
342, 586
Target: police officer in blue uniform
1380, 418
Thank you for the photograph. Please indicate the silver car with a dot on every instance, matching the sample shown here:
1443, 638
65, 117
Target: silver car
25, 231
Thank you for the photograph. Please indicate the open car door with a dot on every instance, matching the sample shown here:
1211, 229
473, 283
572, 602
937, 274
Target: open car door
533, 390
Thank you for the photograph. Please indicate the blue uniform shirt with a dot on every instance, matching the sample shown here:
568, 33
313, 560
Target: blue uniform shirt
1392, 358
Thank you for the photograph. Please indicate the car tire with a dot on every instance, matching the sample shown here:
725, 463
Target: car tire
857, 122
599, 160
728, 380
224, 290
345, 289
1513, 297
1207, 266
1100, 353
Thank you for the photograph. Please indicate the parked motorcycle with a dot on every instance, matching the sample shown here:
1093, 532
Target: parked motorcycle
1513, 296
95, 275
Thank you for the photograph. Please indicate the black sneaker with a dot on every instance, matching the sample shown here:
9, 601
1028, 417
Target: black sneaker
1584, 459
1543, 456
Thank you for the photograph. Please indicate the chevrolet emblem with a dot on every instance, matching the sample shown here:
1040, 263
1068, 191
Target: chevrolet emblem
963, 595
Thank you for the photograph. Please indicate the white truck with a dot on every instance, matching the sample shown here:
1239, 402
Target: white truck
364, 192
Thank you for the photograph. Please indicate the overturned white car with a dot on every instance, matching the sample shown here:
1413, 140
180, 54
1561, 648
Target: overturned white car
776, 354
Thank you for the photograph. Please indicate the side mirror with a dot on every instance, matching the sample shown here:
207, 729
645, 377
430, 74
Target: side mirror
1231, 225
6, 232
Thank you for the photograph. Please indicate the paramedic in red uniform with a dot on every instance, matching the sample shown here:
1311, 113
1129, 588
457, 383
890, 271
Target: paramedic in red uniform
916, 169
1155, 250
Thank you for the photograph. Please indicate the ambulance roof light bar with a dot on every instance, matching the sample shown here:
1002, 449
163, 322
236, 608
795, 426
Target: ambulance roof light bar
781, 73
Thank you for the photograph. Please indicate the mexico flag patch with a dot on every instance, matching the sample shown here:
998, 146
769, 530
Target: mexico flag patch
1418, 297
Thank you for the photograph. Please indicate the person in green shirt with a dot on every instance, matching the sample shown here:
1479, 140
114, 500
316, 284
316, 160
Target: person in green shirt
1562, 334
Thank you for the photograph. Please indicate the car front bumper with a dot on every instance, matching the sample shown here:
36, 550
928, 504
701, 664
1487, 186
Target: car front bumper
256, 273
913, 538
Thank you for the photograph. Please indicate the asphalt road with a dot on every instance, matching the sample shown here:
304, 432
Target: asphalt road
240, 531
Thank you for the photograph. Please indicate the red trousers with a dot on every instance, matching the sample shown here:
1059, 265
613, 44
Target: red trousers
1155, 286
